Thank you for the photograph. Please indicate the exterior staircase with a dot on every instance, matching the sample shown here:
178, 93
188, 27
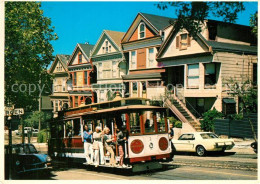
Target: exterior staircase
181, 111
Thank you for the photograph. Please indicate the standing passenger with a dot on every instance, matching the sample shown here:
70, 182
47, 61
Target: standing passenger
109, 147
98, 146
122, 136
87, 135
171, 136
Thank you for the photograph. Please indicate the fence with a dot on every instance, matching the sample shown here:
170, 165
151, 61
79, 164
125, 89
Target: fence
236, 128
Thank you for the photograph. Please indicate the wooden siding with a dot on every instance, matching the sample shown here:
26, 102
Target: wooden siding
195, 47
141, 58
76, 61
239, 67
148, 34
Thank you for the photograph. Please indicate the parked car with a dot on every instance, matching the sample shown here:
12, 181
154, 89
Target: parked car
35, 132
201, 143
254, 146
26, 130
25, 160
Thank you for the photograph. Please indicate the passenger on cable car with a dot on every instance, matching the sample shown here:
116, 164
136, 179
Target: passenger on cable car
122, 137
171, 135
109, 146
98, 146
87, 135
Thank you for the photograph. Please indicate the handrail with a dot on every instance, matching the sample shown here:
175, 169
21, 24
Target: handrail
191, 107
174, 109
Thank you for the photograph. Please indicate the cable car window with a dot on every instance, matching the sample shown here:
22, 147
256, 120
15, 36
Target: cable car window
134, 123
160, 121
148, 122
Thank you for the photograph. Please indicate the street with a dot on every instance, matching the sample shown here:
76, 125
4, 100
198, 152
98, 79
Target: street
185, 167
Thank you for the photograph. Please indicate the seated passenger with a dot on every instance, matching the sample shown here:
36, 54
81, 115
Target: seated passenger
98, 146
109, 147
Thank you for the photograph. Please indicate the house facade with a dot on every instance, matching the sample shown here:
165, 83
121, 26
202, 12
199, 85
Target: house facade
140, 45
82, 74
109, 62
199, 68
60, 95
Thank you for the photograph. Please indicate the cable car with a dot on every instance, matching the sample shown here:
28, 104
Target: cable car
146, 146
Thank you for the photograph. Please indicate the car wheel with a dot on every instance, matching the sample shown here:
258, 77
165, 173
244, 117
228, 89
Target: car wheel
200, 150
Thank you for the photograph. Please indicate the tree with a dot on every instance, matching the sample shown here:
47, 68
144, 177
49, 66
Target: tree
246, 92
191, 15
28, 52
33, 119
254, 23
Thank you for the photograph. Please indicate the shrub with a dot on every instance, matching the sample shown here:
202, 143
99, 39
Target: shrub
207, 124
42, 136
178, 124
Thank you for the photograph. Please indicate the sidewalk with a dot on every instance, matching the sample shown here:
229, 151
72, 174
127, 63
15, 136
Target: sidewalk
242, 147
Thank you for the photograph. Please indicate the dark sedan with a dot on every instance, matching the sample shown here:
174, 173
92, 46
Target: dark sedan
25, 159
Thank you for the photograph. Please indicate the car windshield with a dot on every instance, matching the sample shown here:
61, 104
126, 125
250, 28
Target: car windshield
208, 136
26, 149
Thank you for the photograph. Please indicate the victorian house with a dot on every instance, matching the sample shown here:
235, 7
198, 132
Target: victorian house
140, 45
110, 64
199, 67
81, 76
60, 95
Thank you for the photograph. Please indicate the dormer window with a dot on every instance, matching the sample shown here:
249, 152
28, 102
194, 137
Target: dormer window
141, 30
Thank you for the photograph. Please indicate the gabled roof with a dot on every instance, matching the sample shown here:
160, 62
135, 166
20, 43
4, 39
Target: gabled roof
159, 22
211, 45
64, 59
85, 49
156, 22
114, 36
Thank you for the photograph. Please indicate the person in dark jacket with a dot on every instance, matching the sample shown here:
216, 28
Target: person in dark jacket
87, 135
171, 136
122, 137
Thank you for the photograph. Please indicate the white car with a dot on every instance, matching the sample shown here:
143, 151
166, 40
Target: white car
201, 142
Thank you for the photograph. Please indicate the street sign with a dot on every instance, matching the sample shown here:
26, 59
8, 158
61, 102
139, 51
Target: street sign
19, 111
8, 112
9, 108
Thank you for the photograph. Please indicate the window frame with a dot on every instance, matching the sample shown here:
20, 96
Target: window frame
80, 58
208, 75
140, 32
192, 76
133, 67
149, 63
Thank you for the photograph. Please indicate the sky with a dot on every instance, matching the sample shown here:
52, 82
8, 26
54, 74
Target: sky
81, 22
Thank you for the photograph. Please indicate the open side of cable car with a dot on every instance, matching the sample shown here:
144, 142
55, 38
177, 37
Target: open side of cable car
147, 143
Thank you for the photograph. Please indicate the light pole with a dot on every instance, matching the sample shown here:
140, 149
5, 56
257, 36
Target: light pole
9, 119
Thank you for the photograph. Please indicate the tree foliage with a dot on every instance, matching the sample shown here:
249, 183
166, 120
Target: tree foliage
33, 119
191, 15
28, 52
254, 23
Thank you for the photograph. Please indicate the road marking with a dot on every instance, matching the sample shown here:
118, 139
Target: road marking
98, 175
215, 172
